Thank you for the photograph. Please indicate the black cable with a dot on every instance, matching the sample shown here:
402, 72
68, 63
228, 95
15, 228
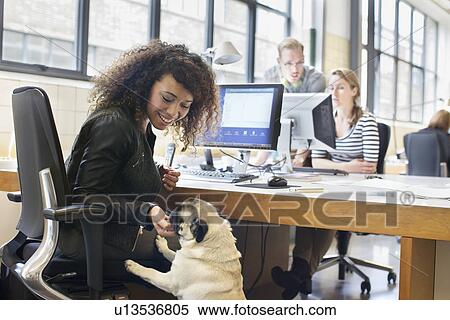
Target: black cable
263, 167
263, 259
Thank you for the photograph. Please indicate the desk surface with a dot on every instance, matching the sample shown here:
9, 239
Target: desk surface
419, 223
424, 218
334, 186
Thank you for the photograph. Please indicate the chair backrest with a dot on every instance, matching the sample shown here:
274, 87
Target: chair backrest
384, 132
423, 153
37, 148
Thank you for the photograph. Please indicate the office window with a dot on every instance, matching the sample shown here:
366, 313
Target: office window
13, 46
231, 24
404, 60
385, 88
40, 32
114, 27
418, 37
403, 90
281, 5
79, 38
363, 69
270, 30
404, 31
183, 21
416, 94
387, 27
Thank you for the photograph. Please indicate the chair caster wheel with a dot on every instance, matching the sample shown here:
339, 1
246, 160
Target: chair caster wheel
365, 287
392, 276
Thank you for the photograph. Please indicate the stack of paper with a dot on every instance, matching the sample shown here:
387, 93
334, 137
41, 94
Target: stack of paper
421, 191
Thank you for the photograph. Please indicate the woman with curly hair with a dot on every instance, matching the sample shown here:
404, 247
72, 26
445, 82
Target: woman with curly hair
156, 85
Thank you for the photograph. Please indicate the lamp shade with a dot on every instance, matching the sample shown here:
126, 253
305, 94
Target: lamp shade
226, 53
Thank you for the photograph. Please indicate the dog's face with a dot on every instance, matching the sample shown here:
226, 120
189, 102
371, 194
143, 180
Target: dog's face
193, 218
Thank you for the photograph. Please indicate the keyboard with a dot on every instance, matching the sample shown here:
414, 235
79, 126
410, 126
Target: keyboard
215, 176
335, 172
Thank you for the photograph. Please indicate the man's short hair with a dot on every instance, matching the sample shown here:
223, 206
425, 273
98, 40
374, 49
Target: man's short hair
290, 43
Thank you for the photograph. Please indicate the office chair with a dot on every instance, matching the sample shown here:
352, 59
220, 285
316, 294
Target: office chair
347, 263
30, 264
424, 155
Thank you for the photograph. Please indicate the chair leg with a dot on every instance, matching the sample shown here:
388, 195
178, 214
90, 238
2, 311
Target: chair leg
370, 264
328, 262
348, 263
94, 294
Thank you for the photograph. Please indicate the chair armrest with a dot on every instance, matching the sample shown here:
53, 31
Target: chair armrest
76, 212
14, 196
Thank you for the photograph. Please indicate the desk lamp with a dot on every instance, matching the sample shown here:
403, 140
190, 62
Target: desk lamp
226, 53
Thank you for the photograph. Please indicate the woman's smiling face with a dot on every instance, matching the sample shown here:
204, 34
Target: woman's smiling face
169, 101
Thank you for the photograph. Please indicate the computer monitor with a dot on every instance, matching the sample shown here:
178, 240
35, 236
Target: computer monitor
307, 123
250, 118
312, 119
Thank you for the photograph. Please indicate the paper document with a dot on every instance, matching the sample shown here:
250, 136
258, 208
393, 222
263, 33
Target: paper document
421, 191
310, 177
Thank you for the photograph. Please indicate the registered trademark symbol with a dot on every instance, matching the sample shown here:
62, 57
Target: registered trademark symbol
407, 198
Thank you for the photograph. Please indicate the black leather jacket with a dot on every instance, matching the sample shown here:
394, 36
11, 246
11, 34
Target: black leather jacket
112, 163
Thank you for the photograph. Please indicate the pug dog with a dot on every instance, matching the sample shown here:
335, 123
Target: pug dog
207, 266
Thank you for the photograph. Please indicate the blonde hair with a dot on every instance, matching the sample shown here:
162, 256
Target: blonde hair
289, 43
352, 79
440, 120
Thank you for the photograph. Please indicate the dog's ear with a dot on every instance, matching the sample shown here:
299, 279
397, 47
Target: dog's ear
199, 228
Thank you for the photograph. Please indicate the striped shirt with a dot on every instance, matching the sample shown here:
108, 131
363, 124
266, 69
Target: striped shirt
361, 142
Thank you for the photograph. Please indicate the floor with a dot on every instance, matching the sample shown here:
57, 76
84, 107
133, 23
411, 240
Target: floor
378, 248
381, 249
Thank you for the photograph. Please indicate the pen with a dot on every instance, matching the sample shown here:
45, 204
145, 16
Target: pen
305, 189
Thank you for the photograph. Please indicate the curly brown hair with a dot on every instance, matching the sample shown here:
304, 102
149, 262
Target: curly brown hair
128, 82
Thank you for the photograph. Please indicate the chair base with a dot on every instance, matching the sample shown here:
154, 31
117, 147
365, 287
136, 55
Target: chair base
347, 263
13, 288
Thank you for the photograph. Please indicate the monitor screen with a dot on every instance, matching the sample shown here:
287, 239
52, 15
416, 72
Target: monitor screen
313, 120
250, 117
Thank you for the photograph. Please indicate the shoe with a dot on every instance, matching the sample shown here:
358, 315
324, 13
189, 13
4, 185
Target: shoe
303, 269
298, 279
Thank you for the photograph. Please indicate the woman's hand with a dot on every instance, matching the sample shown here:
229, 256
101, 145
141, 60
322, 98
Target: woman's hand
361, 166
300, 157
161, 222
169, 177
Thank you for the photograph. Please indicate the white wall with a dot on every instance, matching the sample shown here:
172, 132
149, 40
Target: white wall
68, 99
337, 18
9, 218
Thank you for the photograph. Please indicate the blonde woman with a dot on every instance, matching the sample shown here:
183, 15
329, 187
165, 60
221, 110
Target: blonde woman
357, 141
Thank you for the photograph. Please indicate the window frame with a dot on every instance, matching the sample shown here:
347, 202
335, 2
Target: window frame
374, 55
82, 33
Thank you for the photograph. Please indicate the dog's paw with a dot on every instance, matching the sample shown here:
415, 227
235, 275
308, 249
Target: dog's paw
131, 266
161, 244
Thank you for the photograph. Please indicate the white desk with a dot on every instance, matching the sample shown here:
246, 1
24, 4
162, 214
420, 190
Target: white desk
419, 224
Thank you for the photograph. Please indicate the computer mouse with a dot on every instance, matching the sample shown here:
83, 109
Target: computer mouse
276, 181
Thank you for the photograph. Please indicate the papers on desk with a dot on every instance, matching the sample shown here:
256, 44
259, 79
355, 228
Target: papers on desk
309, 177
337, 182
420, 191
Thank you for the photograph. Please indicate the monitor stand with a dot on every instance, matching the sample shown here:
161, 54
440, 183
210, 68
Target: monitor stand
209, 166
284, 144
241, 167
